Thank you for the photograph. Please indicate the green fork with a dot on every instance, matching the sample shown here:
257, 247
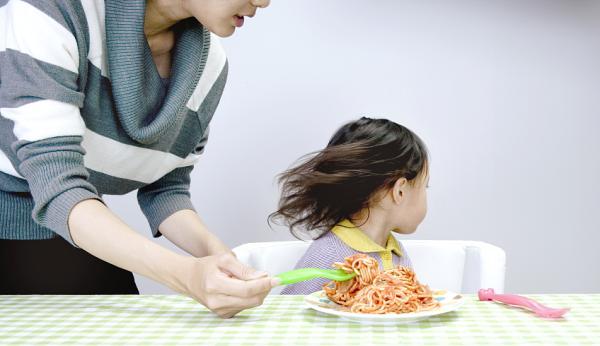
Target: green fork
304, 274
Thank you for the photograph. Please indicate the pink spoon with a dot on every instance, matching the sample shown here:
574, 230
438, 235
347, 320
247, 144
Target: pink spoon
522, 302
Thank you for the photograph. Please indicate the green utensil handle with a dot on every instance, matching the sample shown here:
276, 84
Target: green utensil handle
304, 274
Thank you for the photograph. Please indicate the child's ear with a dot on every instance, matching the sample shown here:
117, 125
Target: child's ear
399, 189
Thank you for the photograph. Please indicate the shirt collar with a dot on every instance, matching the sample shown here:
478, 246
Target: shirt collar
352, 236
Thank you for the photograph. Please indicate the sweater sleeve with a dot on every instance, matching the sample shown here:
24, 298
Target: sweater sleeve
39, 61
169, 194
164, 197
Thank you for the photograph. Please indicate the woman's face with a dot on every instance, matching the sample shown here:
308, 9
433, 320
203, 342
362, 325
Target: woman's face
222, 17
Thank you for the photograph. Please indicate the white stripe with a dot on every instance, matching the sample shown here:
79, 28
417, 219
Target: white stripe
45, 119
30, 31
3, 28
214, 65
7, 167
125, 161
94, 13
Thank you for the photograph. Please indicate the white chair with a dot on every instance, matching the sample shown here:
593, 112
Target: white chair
455, 265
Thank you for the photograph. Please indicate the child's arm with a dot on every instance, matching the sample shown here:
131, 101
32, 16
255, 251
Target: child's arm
321, 253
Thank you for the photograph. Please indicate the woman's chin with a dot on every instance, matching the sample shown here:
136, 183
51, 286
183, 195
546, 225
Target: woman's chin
222, 31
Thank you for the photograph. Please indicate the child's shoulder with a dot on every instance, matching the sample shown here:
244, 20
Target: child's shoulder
324, 251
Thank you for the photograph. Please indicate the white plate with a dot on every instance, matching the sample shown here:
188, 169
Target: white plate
449, 301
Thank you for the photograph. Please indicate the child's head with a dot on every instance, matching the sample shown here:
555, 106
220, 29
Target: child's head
368, 163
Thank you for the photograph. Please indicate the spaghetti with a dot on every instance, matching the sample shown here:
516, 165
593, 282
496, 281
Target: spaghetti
374, 292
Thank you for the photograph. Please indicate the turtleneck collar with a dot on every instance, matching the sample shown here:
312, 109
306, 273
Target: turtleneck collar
147, 107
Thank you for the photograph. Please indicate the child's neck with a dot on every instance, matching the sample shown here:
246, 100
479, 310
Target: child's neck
374, 224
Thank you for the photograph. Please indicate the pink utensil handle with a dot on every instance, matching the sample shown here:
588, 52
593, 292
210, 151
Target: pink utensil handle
520, 301
510, 299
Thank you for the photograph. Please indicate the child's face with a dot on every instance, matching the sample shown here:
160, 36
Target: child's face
223, 16
411, 208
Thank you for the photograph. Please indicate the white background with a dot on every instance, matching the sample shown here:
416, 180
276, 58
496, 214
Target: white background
504, 93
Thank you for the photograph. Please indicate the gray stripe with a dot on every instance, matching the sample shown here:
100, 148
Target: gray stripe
7, 181
15, 217
13, 184
69, 14
3, 2
49, 81
211, 101
165, 196
109, 185
181, 139
8, 137
202, 144
57, 179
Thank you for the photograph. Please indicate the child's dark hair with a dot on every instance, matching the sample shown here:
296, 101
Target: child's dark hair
362, 157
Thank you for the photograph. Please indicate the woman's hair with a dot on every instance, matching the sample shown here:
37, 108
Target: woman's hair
362, 158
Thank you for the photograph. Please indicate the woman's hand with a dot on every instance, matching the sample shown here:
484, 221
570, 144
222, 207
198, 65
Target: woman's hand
224, 285
220, 282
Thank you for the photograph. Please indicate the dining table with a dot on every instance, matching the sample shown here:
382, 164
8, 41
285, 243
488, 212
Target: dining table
282, 320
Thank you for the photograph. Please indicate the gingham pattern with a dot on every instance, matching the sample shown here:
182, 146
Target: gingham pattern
147, 320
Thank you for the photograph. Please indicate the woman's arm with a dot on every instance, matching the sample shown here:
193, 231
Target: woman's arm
186, 230
169, 210
219, 282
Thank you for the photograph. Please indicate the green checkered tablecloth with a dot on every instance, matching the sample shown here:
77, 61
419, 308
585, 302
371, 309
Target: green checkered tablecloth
147, 320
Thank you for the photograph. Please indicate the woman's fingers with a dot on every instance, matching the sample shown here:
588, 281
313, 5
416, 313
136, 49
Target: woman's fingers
228, 306
243, 289
231, 265
225, 285
246, 281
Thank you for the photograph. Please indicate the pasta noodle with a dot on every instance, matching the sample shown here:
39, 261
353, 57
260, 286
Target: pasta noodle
374, 292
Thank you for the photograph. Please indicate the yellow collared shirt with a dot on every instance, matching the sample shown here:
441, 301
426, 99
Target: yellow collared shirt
352, 236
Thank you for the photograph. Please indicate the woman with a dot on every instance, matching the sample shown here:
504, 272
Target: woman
106, 98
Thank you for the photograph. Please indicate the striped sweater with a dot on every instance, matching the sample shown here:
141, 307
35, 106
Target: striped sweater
325, 251
84, 112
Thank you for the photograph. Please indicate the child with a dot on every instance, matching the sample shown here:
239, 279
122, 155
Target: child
368, 182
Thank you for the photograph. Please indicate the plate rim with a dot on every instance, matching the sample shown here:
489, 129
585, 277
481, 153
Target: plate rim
390, 316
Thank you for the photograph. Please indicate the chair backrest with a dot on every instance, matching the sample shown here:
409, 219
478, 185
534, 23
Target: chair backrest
455, 265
